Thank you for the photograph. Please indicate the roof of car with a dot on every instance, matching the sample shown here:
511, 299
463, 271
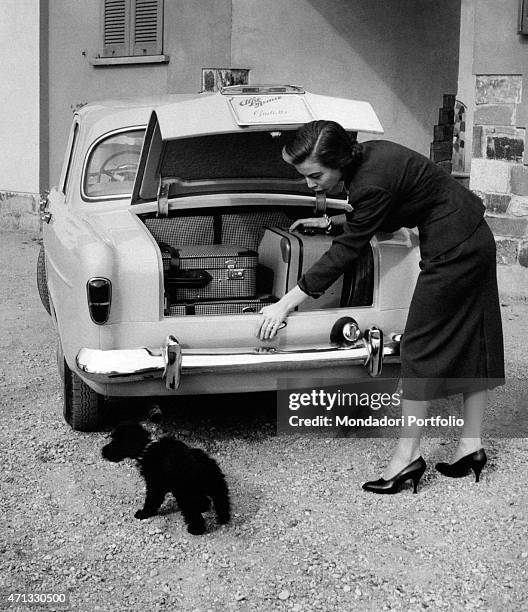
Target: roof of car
115, 113
115, 104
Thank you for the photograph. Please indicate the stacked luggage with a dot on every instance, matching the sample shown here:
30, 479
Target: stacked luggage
212, 279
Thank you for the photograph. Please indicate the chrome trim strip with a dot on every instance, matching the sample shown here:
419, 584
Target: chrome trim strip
137, 364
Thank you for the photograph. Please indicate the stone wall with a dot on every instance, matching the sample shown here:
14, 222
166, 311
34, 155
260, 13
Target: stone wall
498, 173
19, 211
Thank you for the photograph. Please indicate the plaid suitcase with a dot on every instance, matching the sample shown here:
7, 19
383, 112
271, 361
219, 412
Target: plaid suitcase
221, 307
209, 271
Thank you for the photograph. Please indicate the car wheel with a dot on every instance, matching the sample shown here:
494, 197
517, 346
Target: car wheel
42, 280
83, 407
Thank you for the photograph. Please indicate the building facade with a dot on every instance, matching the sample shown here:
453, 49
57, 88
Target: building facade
403, 57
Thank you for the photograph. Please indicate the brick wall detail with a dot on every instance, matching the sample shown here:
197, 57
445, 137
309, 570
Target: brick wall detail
19, 211
498, 174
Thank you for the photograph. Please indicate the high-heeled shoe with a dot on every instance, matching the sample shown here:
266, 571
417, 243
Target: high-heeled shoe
414, 471
474, 461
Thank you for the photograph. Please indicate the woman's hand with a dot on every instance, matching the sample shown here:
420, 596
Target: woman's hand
312, 222
273, 316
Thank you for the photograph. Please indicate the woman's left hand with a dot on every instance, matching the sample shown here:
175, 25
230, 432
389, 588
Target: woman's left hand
273, 317
320, 223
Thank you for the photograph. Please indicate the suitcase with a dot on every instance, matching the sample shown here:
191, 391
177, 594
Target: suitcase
209, 271
289, 255
221, 307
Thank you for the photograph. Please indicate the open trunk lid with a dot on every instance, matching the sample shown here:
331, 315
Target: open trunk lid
231, 141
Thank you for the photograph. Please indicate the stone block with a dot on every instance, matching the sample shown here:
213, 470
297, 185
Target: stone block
503, 147
498, 89
523, 254
477, 141
509, 227
490, 176
499, 114
443, 132
513, 281
505, 130
446, 116
519, 180
449, 100
518, 206
496, 203
507, 250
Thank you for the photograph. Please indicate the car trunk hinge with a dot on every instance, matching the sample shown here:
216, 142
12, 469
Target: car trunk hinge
163, 197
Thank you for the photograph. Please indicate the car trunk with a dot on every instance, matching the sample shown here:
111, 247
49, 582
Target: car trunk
270, 261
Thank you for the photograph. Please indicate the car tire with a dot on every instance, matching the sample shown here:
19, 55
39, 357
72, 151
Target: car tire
83, 407
42, 280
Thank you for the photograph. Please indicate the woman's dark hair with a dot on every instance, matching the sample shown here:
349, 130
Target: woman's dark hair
327, 142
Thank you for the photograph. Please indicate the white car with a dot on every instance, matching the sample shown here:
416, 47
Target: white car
152, 195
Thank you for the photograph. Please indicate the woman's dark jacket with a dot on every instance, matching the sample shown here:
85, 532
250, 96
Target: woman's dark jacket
396, 187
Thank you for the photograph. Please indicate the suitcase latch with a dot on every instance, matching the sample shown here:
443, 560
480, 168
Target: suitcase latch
234, 273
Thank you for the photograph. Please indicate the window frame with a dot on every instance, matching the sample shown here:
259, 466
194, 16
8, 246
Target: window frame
128, 51
87, 158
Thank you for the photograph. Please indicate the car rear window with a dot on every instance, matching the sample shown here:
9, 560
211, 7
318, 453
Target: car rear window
112, 165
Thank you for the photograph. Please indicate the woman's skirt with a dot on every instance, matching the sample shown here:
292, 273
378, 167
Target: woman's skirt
452, 341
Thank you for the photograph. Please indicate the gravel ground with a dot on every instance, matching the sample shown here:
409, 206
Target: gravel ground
303, 536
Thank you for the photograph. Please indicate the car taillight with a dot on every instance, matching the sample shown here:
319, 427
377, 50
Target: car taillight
99, 299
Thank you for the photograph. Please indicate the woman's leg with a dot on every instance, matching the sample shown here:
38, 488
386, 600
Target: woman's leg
408, 447
470, 439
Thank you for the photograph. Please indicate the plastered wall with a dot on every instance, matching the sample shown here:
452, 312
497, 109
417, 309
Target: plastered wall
401, 56
19, 96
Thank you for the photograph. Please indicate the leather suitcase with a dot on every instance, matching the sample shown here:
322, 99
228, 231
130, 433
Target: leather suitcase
209, 271
288, 255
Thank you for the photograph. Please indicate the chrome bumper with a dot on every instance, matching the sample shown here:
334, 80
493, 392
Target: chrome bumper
171, 361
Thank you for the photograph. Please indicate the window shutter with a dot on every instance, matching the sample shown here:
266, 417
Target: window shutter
147, 27
116, 28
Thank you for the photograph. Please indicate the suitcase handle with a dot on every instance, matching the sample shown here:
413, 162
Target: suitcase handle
194, 278
189, 279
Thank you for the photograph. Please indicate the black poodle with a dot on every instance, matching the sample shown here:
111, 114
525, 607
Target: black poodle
169, 465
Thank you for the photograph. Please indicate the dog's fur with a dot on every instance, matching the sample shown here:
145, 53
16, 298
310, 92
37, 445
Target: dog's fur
169, 465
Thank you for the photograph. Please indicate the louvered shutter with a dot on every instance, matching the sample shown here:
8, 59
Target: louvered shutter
147, 27
116, 28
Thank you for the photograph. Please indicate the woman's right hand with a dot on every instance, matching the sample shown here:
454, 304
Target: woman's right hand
274, 316
312, 222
